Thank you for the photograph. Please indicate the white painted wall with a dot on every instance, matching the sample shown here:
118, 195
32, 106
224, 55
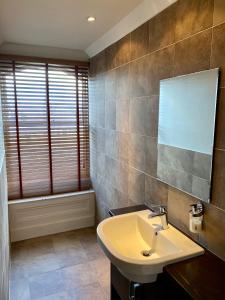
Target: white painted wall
42, 51
142, 13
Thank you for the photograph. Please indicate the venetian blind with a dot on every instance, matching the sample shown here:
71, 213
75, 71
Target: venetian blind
45, 114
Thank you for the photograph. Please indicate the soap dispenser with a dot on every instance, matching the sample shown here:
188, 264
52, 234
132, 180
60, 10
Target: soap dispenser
196, 217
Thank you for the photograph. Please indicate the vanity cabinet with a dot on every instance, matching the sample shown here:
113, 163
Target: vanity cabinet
164, 288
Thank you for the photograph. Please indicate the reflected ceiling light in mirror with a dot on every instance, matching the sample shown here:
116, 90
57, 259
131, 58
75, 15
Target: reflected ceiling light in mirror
91, 19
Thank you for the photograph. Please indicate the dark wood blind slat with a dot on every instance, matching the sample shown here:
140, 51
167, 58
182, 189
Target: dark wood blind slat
45, 112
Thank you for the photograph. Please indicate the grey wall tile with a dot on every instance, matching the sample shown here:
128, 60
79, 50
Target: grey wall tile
176, 158
193, 16
200, 188
220, 120
160, 67
193, 54
123, 146
219, 12
218, 48
151, 156
162, 29
139, 116
137, 151
123, 82
218, 190
202, 165
110, 114
139, 77
174, 177
122, 115
178, 210
123, 50
140, 41
122, 174
210, 236
136, 186
111, 148
156, 192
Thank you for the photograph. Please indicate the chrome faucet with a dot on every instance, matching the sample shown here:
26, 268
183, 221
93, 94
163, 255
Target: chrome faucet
160, 212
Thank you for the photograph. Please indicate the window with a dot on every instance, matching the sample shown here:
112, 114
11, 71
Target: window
45, 114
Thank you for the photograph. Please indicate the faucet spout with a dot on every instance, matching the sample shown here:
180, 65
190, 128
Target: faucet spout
160, 212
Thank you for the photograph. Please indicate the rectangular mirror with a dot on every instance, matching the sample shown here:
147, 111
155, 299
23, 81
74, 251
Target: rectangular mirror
187, 110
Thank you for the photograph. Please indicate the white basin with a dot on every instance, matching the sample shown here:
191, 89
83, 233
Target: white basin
124, 237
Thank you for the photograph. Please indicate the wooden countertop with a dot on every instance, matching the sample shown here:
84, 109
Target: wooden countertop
202, 277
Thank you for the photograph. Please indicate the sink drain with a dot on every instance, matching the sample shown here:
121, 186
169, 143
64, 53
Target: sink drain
146, 253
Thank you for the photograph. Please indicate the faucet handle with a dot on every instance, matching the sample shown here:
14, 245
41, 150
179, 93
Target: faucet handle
162, 209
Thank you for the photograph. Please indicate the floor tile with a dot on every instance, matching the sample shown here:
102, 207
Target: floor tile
64, 266
89, 292
46, 284
19, 289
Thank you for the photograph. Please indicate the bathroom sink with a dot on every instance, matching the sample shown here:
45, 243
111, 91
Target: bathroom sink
138, 247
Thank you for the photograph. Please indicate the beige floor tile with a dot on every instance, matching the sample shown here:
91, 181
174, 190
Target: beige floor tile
78, 275
65, 266
46, 284
89, 292
19, 290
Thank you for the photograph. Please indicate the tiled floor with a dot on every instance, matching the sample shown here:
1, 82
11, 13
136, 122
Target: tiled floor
65, 266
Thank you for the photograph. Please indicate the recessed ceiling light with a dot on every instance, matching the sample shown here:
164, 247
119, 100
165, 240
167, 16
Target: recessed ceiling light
91, 19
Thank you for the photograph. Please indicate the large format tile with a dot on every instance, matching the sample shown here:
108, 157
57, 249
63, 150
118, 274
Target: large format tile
19, 289
98, 63
137, 151
122, 88
41, 278
78, 275
136, 186
151, 156
160, 67
192, 16
122, 115
218, 49
58, 296
110, 114
123, 51
218, 191
139, 76
220, 120
193, 54
140, 41
140, 115
162, 29
219, 12
110, 56
46, 284
89, 292
156, 192
210, 237
178, 210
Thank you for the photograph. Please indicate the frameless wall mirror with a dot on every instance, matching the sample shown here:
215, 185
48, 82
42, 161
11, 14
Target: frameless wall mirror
187, 111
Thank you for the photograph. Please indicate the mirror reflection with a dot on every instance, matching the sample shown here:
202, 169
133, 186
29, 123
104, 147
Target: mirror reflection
187, 113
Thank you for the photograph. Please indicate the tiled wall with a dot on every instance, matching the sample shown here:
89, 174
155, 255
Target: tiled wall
187, 37
187, 170
4, 229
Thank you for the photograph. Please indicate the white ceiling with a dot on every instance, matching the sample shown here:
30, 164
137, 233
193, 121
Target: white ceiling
60, 23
